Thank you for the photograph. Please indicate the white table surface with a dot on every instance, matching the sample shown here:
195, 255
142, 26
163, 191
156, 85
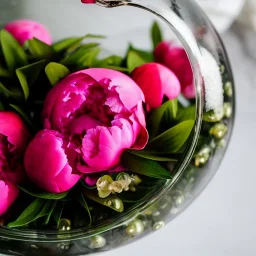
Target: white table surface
222, 221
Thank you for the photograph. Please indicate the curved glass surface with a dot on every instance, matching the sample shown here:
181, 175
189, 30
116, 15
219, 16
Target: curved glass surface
182, 20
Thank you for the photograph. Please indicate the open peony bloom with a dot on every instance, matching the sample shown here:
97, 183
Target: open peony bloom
50, 162
175, 58
155, 80
100, 112
14, 138
24, 30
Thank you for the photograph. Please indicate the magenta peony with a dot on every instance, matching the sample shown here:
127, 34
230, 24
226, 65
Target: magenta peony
24, 30
14, 138
155, 80
90, 118
175, 58
50, 162
88, 1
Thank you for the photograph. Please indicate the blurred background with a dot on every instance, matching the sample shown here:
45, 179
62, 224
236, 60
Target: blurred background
222, 220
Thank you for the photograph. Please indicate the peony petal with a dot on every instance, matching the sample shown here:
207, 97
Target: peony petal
175, 58
45, 160
8, 194
104, 155
155, 80
12, 126
83, 123
124, 85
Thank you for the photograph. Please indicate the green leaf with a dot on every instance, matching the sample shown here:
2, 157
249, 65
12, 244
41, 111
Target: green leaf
57, 213
163, 116
82, 57
4, 73
134, 61
89, 58
10, 93
112, 202
22, 113
46, 209
152, 156
39, 49
27, 75
31, 213
173, 139
83, 202
156, 34
187, 113
73, 42
113, 60
144, 166
55, 72
14, 54
50, 213
147, 56
45, 195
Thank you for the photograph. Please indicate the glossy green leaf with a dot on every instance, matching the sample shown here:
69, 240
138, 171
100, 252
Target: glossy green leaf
46, 209
45, 195
187, 113
48, 217
89, 58
39, 49
163, 115
14, 54
10, 93
24, 84
73, 42
35, 210
147, 56
83, 202
82, 57
55, 72
4, 72
22, 113
152, 156
156, 34
173, 139
27, 76
134, 60
112, 202
57, 213
113, 60
144, 166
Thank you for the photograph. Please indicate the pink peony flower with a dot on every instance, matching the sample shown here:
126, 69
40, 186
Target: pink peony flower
175, 58
100, 111
8, 194
14, 138
50, 162
88, 1
155, 80
24, 30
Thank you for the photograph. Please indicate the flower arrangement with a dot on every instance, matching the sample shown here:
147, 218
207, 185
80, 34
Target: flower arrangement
84, 133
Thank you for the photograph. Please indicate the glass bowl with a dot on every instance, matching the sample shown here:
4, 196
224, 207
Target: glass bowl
123, 22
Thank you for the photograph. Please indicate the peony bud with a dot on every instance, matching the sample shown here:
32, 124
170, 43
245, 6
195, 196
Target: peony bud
24, 30
175, 58
50, 162
155, 80
14, 138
